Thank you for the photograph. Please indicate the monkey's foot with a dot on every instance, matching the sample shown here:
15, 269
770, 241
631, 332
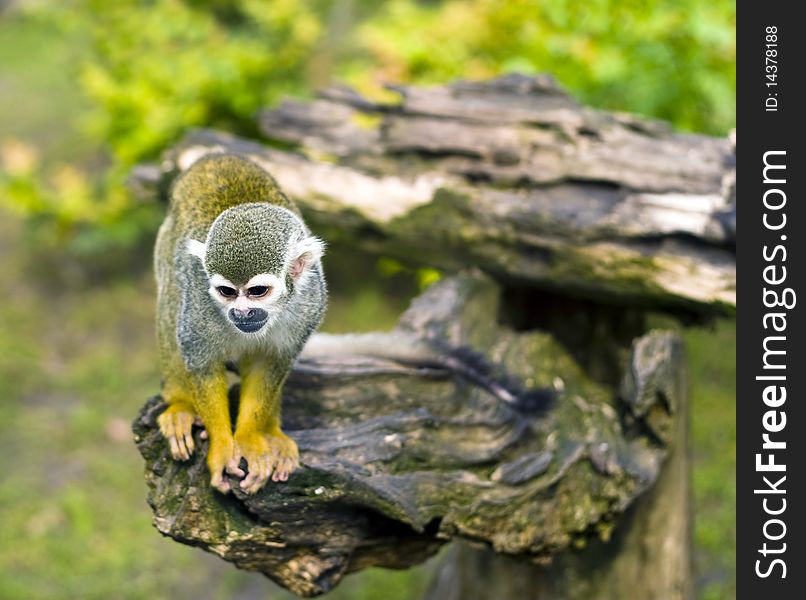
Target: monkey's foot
221, 459
271, 455
176, 425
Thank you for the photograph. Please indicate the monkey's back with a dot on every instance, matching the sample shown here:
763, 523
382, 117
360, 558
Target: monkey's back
215, 183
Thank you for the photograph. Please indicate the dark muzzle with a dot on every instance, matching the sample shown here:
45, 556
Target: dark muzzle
249, 320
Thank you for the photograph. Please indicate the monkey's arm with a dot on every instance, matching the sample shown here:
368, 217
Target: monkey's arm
194, 378
194, 396
178, 389
212, 405
268, 451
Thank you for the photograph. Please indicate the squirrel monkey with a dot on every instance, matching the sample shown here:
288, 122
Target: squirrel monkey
239, 279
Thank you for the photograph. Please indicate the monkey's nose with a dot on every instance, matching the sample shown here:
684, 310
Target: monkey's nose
243, 315
248, 320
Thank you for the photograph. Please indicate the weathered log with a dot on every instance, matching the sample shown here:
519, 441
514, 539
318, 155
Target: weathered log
511, 176
398, 458
649, 555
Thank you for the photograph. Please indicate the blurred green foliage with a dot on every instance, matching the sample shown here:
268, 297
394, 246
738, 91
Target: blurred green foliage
149, 70
671, 59
139, 72
157, 68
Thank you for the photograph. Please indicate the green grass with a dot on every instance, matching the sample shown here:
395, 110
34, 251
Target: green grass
75, 523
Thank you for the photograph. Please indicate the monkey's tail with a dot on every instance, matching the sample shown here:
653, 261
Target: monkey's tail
411, 350
475, 367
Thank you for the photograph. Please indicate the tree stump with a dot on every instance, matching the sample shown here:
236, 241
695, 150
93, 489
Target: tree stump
398, 459
563, 227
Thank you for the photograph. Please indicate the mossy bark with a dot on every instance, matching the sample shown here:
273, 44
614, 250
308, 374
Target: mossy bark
648, 555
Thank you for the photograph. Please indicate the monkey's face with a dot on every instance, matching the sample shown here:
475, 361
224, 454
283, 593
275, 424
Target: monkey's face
249, 307
256, 256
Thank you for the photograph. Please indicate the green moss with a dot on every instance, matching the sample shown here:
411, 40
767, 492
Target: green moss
621, 275
367, 121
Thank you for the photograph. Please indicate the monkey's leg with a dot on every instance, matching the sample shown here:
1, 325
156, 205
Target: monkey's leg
212, 405
269, 452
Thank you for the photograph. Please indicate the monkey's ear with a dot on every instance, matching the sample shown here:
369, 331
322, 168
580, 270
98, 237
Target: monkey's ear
303, 254
197, 249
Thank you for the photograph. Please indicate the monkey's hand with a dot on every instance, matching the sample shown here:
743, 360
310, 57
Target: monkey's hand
221, 459
270, 454
176, 424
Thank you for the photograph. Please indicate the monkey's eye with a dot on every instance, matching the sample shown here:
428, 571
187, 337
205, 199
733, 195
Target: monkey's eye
258, 291
227, 291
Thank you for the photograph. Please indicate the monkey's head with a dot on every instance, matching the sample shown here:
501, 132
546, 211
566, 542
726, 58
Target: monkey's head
257, 257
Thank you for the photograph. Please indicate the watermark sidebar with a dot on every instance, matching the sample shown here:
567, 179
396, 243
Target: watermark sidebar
771, 260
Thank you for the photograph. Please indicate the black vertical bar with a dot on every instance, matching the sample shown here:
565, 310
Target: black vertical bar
771, 260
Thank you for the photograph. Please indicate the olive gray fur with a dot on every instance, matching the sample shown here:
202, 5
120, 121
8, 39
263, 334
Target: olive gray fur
247, 227
251, 238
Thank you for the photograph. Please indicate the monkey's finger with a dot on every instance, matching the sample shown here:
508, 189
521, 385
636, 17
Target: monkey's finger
220, 483
189, 443
180, 444
248, 482
284, 468
252, 482
277, 470
183, 451
290, 465
271, 465
174, 448
167, 429
287, 466
266, 467
258, 472
185, 427
233, 467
